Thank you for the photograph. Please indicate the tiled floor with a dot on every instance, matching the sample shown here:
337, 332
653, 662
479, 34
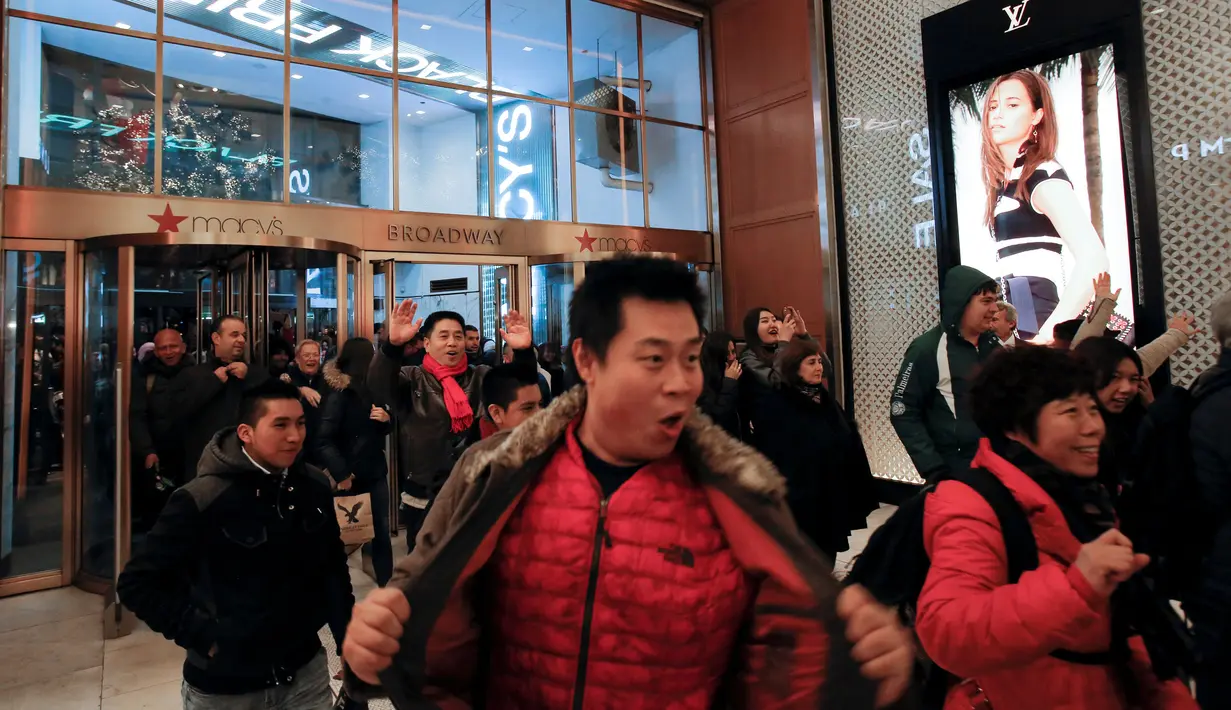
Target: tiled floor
53, 656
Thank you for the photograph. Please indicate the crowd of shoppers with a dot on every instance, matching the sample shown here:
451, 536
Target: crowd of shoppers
663, 535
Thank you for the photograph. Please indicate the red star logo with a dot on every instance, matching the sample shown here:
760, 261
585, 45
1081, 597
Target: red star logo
587, 242
167, 221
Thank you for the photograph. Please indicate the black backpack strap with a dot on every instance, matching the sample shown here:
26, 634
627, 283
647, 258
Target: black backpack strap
1019, 543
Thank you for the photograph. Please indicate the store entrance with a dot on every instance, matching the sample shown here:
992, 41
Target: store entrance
136, 286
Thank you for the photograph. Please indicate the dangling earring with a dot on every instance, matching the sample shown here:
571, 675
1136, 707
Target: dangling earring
1034, 136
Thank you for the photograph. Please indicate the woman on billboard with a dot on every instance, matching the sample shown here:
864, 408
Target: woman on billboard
1033, 211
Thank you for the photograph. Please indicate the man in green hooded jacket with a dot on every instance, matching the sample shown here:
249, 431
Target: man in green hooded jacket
928, 407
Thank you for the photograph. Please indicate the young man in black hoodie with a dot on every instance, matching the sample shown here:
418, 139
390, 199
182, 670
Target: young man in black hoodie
246, 564
209, 394
928, 405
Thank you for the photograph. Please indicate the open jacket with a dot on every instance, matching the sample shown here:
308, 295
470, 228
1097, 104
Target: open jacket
976, 625
791, 651
928, 405
427, 448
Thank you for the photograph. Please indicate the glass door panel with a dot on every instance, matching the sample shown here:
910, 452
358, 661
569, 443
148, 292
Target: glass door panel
100, 314
32, 494
551, 292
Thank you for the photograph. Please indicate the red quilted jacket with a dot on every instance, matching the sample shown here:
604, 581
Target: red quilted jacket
666, 593
976, 625
691, 589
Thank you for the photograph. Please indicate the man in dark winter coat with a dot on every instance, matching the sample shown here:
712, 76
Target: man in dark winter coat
436, 403
209, 394
246, 564
1211, 450
154, 425
928, 406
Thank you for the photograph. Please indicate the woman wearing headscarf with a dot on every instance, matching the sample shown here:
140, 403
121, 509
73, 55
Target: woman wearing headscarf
817, 449
351, 442
721, 371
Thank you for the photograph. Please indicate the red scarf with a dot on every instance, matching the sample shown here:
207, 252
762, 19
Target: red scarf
456, 400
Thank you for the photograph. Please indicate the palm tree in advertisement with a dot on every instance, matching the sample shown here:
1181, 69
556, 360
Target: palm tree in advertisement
1097, 70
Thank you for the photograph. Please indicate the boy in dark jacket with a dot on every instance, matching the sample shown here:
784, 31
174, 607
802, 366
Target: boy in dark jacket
246, 564
928, 407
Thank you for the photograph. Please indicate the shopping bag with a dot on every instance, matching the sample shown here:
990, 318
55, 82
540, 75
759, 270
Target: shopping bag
355, 518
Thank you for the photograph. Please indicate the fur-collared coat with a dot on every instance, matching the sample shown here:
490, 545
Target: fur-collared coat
790, 649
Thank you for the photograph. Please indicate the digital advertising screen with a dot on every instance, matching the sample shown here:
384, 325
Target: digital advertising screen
1039, 185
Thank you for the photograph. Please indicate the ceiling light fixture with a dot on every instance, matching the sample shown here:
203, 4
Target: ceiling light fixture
527, 49
364, 96
425, 27
179, 86
220, 54
296, 76
123, 26
214, 89
256, 135
420, 112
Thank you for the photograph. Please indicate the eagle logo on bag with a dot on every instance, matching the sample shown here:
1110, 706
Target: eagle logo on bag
352, 515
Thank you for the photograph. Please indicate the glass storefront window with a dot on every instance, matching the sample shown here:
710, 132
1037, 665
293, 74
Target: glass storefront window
32, 494
222, 124
609, 177
446, 41
251, 24
439, 152
79, 109
121, 14
531, 181
605, 57
341, 138
357, 34
100, 314
676, 168
672, 71
530, 49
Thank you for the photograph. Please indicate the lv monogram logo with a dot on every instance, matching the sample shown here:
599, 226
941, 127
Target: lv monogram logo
1016, 14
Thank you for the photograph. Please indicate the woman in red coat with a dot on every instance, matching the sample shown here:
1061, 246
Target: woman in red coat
1038, 408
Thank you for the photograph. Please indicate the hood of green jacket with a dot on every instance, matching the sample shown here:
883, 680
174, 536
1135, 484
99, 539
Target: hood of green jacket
961, 284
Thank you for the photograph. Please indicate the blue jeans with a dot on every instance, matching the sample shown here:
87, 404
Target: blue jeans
309, 691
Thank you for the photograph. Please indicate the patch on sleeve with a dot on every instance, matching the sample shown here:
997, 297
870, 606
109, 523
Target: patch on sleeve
898, 408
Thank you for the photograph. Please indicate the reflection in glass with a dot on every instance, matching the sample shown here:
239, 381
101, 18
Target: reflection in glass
527, 137
676, 169
31, 510
446, 41
551, 289
79, 109
672, 71
100, 312
609, 180
252, 24
441, 287
357, 34
440, 153
137, 15
341, 138
530, 49
605, 56
223, 125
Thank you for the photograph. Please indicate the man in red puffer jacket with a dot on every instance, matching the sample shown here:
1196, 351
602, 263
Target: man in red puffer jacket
621, 551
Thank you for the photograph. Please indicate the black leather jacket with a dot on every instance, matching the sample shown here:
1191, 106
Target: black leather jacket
427, 448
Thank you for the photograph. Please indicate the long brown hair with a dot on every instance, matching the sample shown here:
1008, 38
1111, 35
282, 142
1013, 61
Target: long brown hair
1038, 149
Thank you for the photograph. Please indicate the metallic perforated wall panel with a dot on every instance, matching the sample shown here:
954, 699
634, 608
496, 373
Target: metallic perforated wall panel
886, 182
